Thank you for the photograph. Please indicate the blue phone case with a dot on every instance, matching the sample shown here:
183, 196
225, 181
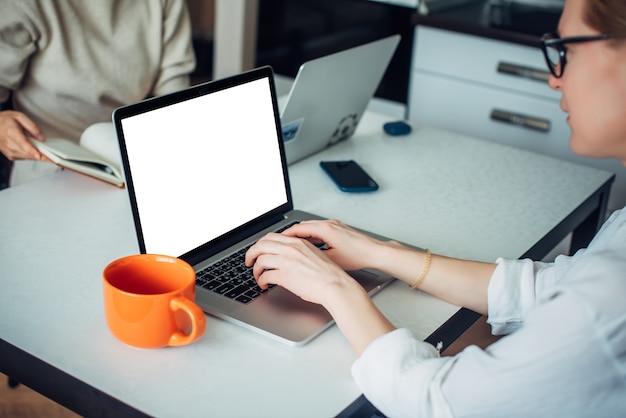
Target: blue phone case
349, 176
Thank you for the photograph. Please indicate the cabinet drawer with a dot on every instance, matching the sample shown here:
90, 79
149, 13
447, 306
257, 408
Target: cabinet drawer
481, 60
467, 109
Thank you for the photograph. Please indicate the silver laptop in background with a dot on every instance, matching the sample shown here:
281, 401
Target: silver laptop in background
330, 94
207, 176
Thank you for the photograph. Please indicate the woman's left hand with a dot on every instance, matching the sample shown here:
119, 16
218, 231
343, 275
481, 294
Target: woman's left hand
297, 265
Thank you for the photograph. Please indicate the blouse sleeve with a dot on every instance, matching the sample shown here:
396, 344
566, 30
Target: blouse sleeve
402, 376
515, 376
17, 44
178, 56
567, 359
515, 287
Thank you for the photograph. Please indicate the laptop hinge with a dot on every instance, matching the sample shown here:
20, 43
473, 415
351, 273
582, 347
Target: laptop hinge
221, 243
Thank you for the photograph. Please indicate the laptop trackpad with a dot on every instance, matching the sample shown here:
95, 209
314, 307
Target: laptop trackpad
370, 281
282, 313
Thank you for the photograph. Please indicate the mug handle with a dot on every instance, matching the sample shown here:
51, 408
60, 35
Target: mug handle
198, 321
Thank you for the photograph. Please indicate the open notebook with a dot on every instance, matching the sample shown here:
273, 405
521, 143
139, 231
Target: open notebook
207, 176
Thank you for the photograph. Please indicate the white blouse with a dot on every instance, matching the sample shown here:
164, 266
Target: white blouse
565, 355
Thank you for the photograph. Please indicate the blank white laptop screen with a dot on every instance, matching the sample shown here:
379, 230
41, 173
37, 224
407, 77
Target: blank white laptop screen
201, 140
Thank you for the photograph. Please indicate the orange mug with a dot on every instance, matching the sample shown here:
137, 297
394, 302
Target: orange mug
149, 301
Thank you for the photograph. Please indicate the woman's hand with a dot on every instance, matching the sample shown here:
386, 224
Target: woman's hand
13, 129
350, 249
297, 265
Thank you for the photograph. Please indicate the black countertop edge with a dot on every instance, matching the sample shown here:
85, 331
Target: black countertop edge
474, 29
60, 386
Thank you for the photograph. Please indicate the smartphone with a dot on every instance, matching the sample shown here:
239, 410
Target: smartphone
349, 176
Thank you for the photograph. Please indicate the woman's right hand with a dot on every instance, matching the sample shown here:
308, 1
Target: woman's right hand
349, 248
14, 126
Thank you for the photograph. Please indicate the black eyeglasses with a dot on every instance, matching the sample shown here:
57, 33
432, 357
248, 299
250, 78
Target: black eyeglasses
554, 50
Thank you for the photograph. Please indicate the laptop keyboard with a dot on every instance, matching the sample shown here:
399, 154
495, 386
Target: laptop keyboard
231, 278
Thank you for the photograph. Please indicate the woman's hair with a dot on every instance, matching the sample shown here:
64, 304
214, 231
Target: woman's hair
607, 16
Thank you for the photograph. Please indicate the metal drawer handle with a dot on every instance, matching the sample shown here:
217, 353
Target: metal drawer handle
524, 72
524, 121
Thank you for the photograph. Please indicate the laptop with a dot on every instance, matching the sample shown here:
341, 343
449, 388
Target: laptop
206, 174
330, 94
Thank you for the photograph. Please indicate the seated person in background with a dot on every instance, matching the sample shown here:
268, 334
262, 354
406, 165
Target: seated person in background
67, 64
564, 353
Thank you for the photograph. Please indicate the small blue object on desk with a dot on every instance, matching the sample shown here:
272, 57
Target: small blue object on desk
397, 128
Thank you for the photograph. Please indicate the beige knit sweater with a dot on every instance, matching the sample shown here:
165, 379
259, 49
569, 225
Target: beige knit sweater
70, 63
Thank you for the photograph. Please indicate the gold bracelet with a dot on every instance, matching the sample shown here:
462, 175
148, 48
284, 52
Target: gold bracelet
420, 279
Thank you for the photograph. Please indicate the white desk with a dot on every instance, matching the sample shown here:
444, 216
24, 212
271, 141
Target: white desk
456, 195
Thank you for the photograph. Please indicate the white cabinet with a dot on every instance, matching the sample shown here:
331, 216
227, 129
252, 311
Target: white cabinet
494, 90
